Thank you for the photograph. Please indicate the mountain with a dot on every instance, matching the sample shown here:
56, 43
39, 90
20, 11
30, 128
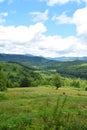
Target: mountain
32, 60
68, 58
35, 59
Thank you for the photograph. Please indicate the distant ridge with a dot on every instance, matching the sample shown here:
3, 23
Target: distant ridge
32, 58
68, 58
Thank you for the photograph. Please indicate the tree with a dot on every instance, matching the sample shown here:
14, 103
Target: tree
57, 80
3, 81
26, 82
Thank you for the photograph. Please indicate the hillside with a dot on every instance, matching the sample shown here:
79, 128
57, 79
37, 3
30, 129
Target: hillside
31, 60
76, 68
15, 73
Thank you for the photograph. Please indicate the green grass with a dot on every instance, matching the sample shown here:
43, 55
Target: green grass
42, 108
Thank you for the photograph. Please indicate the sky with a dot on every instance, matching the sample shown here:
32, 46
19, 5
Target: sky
48, 28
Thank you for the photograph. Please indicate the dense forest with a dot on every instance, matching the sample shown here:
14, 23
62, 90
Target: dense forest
77, 68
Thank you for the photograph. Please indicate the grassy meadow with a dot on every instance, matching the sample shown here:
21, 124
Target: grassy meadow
43, 108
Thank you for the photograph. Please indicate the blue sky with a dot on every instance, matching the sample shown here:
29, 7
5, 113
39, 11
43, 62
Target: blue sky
49, 28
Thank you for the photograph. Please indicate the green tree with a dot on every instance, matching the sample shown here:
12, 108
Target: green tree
3, 81
26, 82
57, 80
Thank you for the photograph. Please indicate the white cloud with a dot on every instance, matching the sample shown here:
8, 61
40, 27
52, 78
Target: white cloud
32, 40
78, 19
61, 2
18, 39
63, 18
1, 0
21, 34
2, 17
84, 1
57, 46
40, 16
54, 2
4, 14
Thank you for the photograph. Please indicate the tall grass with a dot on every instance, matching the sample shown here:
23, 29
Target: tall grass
57, 118
46, 109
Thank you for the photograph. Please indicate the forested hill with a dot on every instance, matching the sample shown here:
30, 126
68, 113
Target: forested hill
16, 75
76, 68
37, 59
32, 60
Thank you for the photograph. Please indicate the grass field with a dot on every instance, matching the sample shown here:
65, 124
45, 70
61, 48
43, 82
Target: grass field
42, 108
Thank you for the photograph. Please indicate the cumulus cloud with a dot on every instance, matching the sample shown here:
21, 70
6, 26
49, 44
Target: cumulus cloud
18, 39
40, 16
32, 40
55, 46
21, 33
78, 19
